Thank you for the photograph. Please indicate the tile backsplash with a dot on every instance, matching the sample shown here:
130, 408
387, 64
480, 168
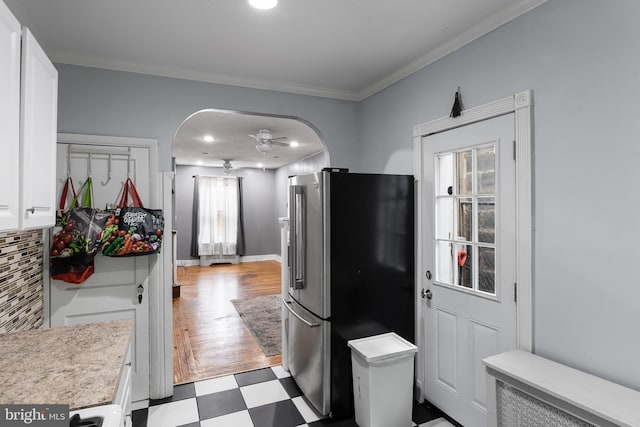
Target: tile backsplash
21, 269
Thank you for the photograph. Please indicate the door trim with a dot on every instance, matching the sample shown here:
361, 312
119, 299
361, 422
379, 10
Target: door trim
160, 317
521, 104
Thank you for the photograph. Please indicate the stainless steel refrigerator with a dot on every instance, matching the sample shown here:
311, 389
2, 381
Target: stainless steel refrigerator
351, 270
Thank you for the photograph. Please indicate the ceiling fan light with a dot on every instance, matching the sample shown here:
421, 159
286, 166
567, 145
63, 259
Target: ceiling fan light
263, 4
208, 138
264, 147
294, 144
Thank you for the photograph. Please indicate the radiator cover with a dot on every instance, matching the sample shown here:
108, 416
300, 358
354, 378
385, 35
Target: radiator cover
516, 408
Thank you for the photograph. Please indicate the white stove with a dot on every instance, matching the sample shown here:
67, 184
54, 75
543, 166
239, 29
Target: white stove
98, 416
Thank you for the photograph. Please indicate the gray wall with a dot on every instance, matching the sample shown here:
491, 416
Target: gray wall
105, 102
582, 61
262, 235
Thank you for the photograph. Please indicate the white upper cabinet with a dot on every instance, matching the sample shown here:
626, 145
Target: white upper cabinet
10, 33
38, 128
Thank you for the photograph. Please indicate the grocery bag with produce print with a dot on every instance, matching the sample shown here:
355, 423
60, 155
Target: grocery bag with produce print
75, 239
132, 230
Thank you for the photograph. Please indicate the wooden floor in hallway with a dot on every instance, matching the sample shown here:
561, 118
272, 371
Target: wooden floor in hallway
209, 337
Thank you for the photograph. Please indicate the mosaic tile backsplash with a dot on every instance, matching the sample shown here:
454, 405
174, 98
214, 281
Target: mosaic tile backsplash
21, 269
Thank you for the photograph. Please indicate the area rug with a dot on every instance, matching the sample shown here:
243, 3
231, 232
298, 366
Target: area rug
262, 316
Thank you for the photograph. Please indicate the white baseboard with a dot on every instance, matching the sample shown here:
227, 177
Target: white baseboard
248, 258
269, 257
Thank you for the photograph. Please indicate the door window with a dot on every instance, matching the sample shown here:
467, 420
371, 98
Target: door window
465, 219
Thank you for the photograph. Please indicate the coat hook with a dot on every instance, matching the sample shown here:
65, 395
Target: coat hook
68, 161
108, 171
63, 180
129, 164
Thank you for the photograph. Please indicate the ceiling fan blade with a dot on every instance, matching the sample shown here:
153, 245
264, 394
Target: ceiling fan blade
280, 139
283, 144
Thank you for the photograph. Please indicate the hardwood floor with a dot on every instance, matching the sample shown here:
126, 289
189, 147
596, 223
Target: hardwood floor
209, 338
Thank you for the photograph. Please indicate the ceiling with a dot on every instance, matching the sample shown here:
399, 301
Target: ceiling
345, 49
232, 141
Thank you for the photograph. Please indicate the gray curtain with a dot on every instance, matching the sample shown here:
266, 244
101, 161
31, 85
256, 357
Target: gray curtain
240, 249
195, 218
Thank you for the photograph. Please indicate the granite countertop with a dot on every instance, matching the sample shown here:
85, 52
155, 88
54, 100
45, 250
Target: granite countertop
75, 365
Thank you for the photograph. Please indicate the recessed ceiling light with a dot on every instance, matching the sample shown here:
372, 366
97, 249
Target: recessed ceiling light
260, 165
208, 138
294, 144
263, 4
199, 163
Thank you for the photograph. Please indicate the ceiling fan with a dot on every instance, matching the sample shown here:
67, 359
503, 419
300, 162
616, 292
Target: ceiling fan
265, 141
226, 167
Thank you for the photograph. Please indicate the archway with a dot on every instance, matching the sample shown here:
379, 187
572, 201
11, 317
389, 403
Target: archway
263, 150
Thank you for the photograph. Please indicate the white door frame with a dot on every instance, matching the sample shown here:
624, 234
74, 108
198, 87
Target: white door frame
160, 311
521, 104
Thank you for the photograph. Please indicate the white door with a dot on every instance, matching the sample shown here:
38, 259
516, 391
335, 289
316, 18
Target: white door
111, 292
469, 255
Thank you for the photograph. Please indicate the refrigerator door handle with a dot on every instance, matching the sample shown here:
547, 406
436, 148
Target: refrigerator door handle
303, 320
298, 221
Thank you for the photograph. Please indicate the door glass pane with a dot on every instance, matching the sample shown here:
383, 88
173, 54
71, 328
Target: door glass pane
486, 219
444, 168
465, 172
486, 170
444, 262
464, 265
487, 270
465, 219
444, 218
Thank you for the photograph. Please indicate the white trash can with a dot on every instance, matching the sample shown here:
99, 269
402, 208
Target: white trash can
382, 380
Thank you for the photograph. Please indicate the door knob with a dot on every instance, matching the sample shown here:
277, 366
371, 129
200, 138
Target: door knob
426, 294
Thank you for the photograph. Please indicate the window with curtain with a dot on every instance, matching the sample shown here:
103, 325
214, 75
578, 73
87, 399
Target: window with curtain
218, 215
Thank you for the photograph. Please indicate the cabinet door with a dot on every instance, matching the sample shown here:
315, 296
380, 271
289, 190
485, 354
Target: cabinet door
39, 108
10, 34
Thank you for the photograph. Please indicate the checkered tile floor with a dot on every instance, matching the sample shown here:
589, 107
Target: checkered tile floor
263, 398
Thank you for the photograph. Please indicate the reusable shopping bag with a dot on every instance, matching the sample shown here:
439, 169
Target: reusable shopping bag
132, 230
75, 240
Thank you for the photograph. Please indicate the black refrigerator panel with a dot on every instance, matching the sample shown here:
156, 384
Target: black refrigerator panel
371, 240
372, 251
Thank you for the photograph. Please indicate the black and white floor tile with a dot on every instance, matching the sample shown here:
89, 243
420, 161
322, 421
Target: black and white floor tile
264, 398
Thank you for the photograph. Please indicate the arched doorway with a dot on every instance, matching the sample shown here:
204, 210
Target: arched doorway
260, 152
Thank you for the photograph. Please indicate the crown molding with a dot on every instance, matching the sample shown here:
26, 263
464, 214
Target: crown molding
473, 33
62, 57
